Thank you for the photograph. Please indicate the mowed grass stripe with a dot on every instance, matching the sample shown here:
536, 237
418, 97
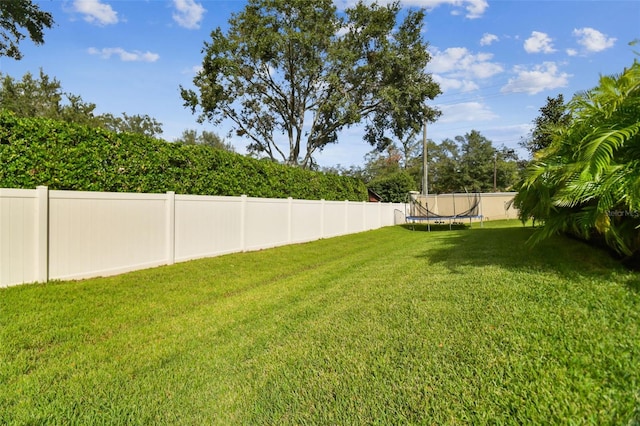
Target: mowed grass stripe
388, 326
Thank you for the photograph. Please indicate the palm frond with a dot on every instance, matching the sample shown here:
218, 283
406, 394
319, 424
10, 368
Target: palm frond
598, 150
587, 181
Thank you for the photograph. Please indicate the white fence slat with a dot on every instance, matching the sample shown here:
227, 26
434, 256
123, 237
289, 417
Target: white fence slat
18, 236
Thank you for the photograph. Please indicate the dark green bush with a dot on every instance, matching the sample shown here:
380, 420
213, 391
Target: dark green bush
36, 151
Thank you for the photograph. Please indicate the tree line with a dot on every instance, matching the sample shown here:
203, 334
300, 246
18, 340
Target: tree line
466, 163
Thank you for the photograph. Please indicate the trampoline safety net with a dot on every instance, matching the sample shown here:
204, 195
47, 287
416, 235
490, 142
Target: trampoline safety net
446, 206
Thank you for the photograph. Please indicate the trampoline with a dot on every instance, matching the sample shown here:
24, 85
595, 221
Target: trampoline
451, 208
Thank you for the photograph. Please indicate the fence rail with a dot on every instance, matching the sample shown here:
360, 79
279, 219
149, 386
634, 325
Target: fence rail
46, 235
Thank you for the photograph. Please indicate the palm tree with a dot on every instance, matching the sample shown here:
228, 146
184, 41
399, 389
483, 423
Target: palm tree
587, 182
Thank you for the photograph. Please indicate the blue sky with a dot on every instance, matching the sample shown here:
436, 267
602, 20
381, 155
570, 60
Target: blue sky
496, 61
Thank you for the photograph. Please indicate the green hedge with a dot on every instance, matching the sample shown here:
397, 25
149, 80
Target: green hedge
36, 151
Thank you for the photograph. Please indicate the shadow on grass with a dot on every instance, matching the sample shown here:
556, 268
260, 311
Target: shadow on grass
508, 248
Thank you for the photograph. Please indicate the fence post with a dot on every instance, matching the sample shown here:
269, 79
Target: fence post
171, 227
322, 207
289, 219
42, 234
243, 221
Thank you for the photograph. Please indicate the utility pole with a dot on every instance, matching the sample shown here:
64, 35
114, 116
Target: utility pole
495, 171
425, 163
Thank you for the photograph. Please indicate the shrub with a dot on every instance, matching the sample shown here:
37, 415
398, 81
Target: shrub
587, 182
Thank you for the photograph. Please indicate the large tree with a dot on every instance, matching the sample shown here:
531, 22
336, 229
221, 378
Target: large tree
553, 115
471, 163
444, 167
16, 16
291, 74
476, 161
31, 96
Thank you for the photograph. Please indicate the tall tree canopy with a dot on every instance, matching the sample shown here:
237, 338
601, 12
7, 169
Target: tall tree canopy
16, 16
290, 74
552, 116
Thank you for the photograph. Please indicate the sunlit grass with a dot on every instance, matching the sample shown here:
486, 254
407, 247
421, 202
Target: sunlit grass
390, 327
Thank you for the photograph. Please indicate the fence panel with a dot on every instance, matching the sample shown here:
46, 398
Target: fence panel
334, 221
96, 233
372, 213
207, 226
391, 214
306, 220
355, 217
18, 236
266, 223
498, 206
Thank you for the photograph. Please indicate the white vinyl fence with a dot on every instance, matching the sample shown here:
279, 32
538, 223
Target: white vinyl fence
47, 235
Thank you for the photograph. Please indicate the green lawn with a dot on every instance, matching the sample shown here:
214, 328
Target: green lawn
384, 327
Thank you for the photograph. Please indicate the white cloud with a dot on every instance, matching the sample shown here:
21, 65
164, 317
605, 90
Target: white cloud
474, 8
542, 77
465, 111
97, 12
135, 56
188, 13
572, 52
447, 84
487, 39
593, 40
459, 62
538, 42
